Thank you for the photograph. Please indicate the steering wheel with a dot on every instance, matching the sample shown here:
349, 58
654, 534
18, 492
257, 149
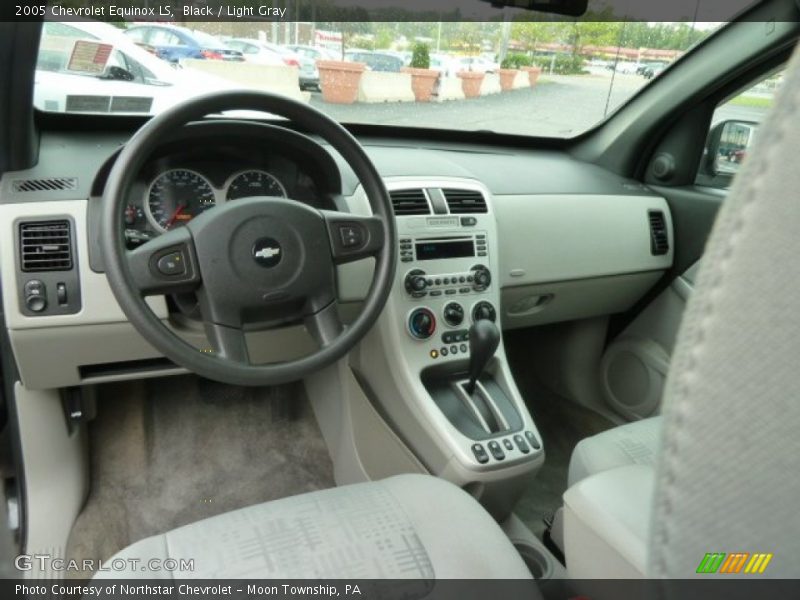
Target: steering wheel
252, 263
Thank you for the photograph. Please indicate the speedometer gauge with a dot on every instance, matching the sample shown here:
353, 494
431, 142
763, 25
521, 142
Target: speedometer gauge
254, 183
176, 197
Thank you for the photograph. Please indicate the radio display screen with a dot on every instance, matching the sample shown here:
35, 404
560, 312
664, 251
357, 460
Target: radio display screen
436, 250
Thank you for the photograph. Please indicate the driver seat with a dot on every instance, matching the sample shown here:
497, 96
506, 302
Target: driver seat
404, 527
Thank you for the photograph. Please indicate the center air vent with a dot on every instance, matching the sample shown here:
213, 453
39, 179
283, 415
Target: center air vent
659, 238
45, 246
464, 201
410, 202
45, 185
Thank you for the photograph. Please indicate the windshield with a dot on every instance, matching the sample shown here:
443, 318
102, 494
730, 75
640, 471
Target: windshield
553, 79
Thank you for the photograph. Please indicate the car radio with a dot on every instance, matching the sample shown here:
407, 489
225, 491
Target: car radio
444, 247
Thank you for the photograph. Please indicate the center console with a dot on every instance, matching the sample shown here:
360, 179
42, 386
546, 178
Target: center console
460, 414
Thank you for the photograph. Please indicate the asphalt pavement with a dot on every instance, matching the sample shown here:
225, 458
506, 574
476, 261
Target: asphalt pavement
559, 106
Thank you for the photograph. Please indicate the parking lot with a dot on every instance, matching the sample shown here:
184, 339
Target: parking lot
560, 106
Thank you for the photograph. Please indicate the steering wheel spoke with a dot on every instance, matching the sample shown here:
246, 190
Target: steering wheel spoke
325, 325
166, 264
228, 342
353, 237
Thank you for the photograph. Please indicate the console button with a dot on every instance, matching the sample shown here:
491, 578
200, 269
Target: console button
523, 447
172, 264
453, 314
496, 450
463, 348
465, 290
484, 310
416, 282
444, 351
34, 287
507, 443
483, 277
532, 440
453, 349
468, 221
450, 291
352, 235
61, 293
462, 279
421, 323
480, 453
36, 303
436, 292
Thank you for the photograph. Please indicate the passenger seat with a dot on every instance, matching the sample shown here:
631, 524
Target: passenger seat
630, 444
634, 443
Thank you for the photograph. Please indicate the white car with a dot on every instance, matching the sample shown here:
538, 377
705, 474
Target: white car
479, 64
266, 53
133, 80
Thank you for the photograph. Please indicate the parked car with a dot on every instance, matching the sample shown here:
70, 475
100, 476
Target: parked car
173, 43
478, 64
315, 53
266, 53
133, 80
376, 61
651, 71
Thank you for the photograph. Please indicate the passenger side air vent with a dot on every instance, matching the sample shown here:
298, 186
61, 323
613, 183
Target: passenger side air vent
659, 238
464, 201
410, 202
45, 185
45, 246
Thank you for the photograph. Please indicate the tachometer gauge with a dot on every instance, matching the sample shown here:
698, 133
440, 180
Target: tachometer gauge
254, 183
176, 197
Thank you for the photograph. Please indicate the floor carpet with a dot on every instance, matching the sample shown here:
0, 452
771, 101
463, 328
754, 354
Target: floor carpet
166, 452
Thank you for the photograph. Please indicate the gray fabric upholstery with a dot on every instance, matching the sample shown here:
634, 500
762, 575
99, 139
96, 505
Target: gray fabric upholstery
607, 522
630, 444
727, 478
408, 526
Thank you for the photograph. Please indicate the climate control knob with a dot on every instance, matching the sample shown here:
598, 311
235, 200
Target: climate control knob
416, 283
483, 310
421, 323
453, 314
481, 278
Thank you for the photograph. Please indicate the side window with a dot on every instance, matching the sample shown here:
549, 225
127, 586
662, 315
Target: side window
137, 34
162, 37
734, 126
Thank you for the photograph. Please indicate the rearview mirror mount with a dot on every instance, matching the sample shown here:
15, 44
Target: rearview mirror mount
572, 8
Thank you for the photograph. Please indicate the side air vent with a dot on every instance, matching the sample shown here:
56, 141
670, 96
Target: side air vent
45, 246
464, 201
659, 238
53, 184
410, 202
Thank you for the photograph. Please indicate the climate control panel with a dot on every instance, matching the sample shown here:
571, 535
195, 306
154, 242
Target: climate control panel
422, 323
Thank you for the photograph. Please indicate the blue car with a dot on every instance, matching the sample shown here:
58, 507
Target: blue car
172, 43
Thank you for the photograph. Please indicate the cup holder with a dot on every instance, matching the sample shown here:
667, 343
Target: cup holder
537, 562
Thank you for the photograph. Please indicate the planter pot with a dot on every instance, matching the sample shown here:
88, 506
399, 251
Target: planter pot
507, 77
533, 74
471, 83
339, 80
422, 82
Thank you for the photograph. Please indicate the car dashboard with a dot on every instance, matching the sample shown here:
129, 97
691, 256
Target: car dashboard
561, 239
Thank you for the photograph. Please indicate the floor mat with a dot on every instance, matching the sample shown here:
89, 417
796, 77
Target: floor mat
166, 452
562, 424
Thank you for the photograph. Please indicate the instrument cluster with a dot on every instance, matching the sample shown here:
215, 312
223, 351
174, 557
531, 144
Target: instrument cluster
173, 190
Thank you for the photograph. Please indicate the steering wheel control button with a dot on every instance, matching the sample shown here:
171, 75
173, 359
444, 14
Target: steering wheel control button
480, 453
532, 440
453, 314
352, 236
421, 323
496, 450
483, 310
267, 252
520, 441
172, 264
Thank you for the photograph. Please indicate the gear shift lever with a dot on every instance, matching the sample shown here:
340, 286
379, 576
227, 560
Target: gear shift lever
484, 337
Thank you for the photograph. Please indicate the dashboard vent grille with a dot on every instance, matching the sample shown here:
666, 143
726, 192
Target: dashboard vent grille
45, 246
52, 184
464, 201
659, 238
410, 202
